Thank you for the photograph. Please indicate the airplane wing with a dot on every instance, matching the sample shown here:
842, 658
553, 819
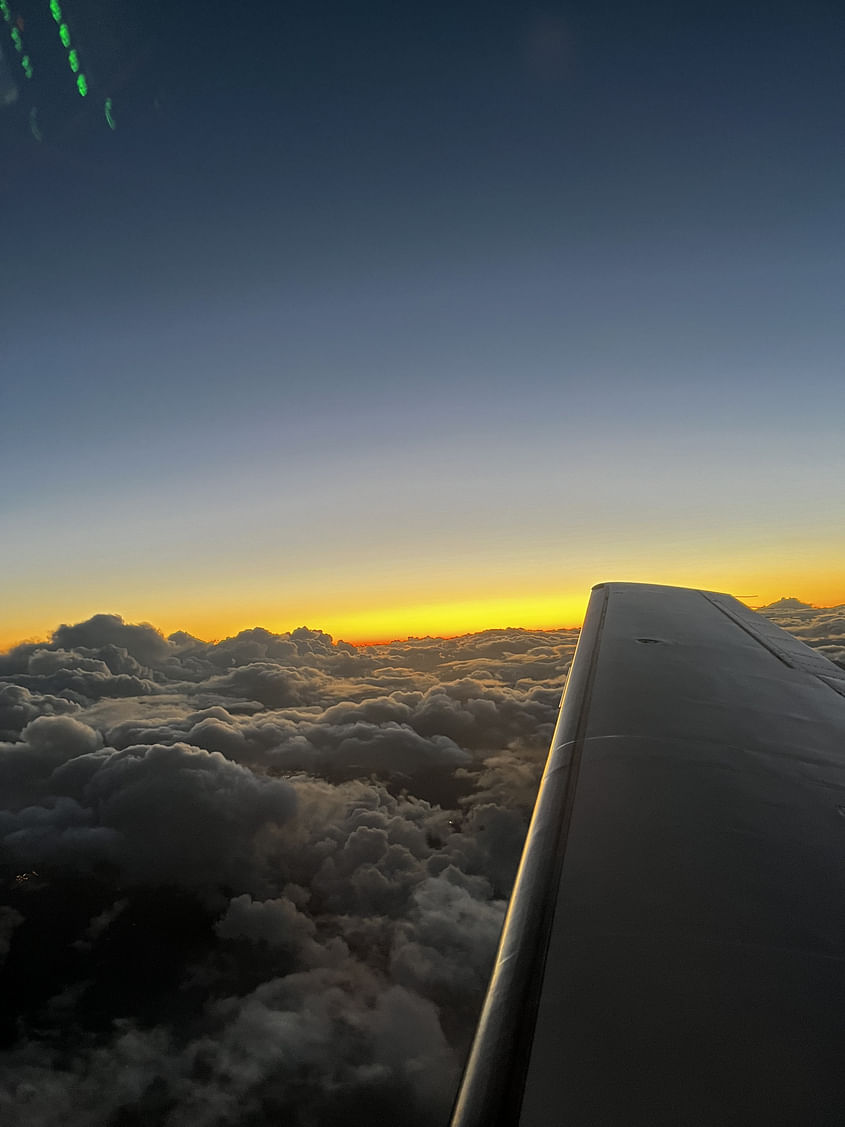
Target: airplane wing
674, 950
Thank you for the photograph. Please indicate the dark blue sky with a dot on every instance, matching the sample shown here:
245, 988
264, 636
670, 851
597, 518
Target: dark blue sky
459, 233
310, 142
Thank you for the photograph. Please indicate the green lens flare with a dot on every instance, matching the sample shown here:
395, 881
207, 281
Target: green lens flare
27, 66
82, 85
73, 59
64, 34
4, 8
56, 10
33, 124
112, 124
16, 39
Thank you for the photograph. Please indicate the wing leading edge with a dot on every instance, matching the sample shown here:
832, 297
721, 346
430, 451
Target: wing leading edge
674, 950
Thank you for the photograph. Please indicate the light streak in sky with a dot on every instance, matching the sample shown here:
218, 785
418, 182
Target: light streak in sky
73, 61
72, 53
16, 37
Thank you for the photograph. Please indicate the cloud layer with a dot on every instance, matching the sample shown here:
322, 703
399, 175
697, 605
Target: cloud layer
263, 880
259, 879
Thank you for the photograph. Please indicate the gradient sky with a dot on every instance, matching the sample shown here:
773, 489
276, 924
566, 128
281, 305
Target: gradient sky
419, 318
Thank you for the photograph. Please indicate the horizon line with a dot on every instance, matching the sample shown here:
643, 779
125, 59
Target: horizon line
363, 641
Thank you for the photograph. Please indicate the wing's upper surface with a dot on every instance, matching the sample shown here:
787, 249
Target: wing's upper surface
674, 951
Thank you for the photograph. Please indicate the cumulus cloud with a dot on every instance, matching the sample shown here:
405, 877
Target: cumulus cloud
18, 705
260, 878
109, 633
46, 742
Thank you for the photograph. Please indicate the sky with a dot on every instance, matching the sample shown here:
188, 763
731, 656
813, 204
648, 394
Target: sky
396, 319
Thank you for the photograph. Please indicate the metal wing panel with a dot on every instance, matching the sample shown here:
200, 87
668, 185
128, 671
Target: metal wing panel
692, 967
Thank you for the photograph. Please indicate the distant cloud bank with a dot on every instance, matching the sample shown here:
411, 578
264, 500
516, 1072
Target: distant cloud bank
823, 628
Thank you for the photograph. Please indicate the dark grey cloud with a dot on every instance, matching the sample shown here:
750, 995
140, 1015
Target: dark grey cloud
108, 632
19, 705
170, 813
257, 878
9, 920
27, 763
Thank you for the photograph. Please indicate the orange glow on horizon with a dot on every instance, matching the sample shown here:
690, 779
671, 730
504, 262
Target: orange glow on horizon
377, 624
